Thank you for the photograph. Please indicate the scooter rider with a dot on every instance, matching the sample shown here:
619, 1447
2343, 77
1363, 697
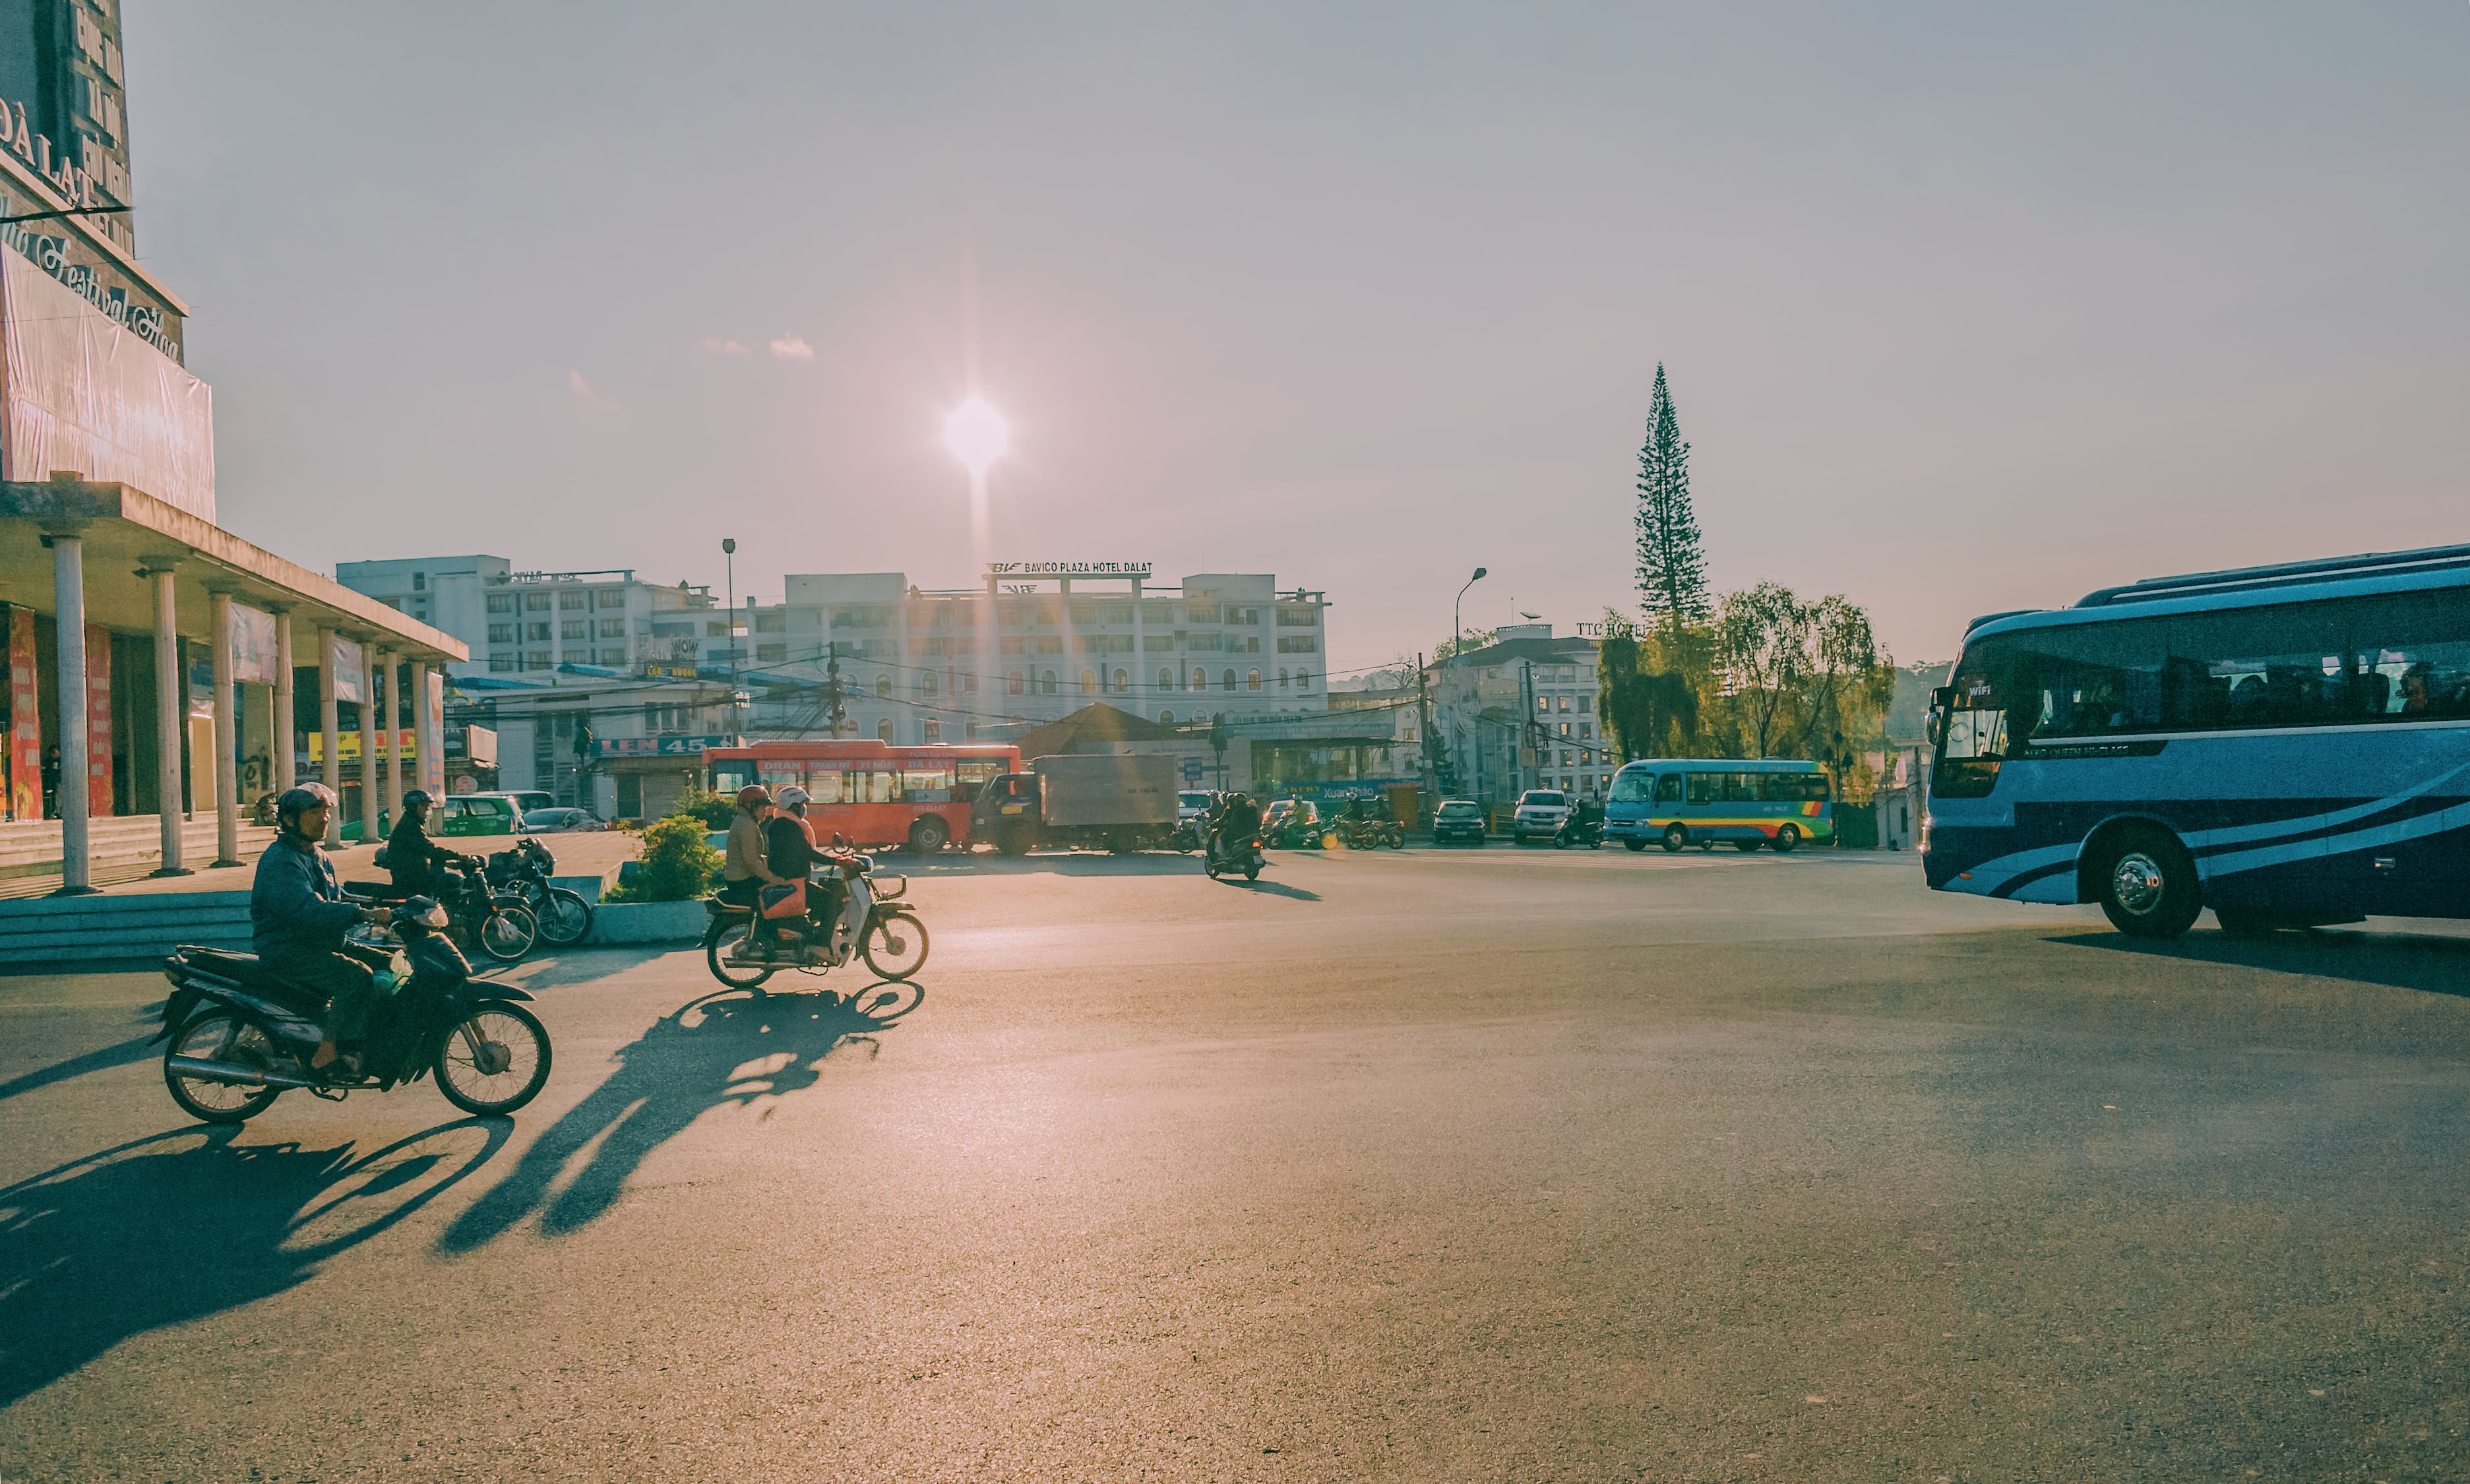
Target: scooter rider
1240, 821
413, 858
297, 916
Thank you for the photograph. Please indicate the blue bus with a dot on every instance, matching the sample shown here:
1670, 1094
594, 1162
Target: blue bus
2289, 746
1745, 803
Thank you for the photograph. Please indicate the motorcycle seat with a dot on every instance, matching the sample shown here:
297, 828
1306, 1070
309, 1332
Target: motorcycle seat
242, 968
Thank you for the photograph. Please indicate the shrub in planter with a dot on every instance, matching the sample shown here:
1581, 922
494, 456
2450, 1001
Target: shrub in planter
677, 865
715, 810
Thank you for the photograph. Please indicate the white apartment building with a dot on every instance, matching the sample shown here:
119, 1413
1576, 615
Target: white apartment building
531, 622
1038, 641
1482, 701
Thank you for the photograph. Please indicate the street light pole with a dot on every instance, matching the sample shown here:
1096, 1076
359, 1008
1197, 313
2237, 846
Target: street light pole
729, 555
1458, 640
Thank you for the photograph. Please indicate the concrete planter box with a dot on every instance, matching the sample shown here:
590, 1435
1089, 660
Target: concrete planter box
649, 922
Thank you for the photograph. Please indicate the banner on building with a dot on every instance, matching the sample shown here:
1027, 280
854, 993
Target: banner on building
347, 745
253, 660
349, 664
98, 719
432, 766
25, 720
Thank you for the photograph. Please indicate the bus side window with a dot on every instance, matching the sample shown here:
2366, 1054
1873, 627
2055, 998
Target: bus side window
1705, 788
1668, 788
824, 786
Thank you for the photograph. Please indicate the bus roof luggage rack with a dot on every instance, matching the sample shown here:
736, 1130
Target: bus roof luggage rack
2280, 574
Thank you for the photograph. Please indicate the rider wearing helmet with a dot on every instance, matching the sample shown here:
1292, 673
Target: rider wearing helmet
297, 916
410, 854
1240, 819
742, 869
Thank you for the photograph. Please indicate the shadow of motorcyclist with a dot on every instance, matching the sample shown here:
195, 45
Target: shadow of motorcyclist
716, 1051
179, 1225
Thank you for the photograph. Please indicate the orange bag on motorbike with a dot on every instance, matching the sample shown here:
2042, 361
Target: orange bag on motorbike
786, 901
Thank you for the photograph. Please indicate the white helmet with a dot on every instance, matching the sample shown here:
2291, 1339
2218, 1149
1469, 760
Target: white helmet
790, 797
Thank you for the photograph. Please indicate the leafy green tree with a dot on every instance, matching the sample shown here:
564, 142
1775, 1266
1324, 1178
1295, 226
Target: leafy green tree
1453, 646
1672, 558
1851, 682
1763, 651
1648, 706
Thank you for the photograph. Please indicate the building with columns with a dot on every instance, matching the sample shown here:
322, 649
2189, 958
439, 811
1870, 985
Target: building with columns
157, 662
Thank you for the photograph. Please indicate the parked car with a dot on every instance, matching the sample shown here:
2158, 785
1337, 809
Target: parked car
476, 814
1539, 816
1458, 818
561, 821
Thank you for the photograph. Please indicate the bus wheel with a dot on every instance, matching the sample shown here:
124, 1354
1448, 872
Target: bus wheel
928, 834
2148, 884
1787, 838
1675, 836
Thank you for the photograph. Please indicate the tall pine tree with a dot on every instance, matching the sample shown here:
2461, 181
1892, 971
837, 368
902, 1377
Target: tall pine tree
1671, 563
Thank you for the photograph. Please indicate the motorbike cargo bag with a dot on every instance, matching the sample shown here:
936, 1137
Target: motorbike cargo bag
786, 901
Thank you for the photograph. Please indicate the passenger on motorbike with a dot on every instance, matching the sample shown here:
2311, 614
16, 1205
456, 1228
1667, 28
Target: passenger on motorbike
789, 856
297, 916
1241, 821
411, 855
742, 871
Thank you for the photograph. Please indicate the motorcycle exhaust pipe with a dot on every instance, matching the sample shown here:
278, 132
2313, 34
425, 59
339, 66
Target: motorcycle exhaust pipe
232, 1071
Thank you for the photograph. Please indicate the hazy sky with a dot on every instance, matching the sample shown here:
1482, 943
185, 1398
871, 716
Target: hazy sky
1963, 311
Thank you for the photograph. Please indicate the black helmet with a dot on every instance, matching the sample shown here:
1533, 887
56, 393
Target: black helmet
417, 798
296, 801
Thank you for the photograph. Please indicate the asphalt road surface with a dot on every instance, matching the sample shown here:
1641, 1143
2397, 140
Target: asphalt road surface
1497, 1165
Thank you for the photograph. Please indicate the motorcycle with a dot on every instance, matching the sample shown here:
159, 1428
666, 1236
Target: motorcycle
1370, 834
1574, 835
564, 917
1245, 856
240, 1036
893, 944
497, 923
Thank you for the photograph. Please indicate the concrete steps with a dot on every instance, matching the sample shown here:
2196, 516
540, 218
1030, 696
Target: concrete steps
120, 849
68, 930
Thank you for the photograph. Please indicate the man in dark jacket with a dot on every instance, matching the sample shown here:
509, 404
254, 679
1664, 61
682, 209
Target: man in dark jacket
410, 854
297, 915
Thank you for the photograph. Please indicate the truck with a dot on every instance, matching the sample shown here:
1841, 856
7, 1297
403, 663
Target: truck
1112, 801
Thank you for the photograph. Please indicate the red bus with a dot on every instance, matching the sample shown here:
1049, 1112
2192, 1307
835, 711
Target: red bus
872, 791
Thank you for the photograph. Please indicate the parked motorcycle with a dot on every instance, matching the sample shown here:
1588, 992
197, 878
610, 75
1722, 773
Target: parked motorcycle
1574, 835
1243, 855
564, 917
240, 1036
480, 917
1371, 833
894, 945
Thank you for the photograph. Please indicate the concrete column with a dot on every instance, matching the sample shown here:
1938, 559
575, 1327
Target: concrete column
368, 749
427, 741
171, 716
331, 770
285, 766
1139, 668
226, 740
68, 618
391, 723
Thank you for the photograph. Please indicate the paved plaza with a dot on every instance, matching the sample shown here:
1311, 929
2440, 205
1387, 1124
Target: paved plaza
1456, 1165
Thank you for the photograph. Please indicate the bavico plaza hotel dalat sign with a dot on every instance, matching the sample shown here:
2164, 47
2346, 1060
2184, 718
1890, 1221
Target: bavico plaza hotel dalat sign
1067, 568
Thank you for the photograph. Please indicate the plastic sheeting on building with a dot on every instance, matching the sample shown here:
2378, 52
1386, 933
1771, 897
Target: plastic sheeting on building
83, 394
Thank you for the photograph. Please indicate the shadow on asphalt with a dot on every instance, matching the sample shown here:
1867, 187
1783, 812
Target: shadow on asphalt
579, 966
179, 1225
119, 1056
1273, 889
2432, 966
716, 1051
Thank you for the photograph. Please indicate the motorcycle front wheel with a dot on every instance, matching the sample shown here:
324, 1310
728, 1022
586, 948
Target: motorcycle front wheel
565, 917
896, 946
494, 1061
719, 945
219, 1035
507, 933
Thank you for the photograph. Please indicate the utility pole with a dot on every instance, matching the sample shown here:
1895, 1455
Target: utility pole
836, 713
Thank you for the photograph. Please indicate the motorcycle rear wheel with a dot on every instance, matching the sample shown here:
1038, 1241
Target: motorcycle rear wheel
468, 1069
724, 940
219, 1035
507, 933
883, 957
565, 917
